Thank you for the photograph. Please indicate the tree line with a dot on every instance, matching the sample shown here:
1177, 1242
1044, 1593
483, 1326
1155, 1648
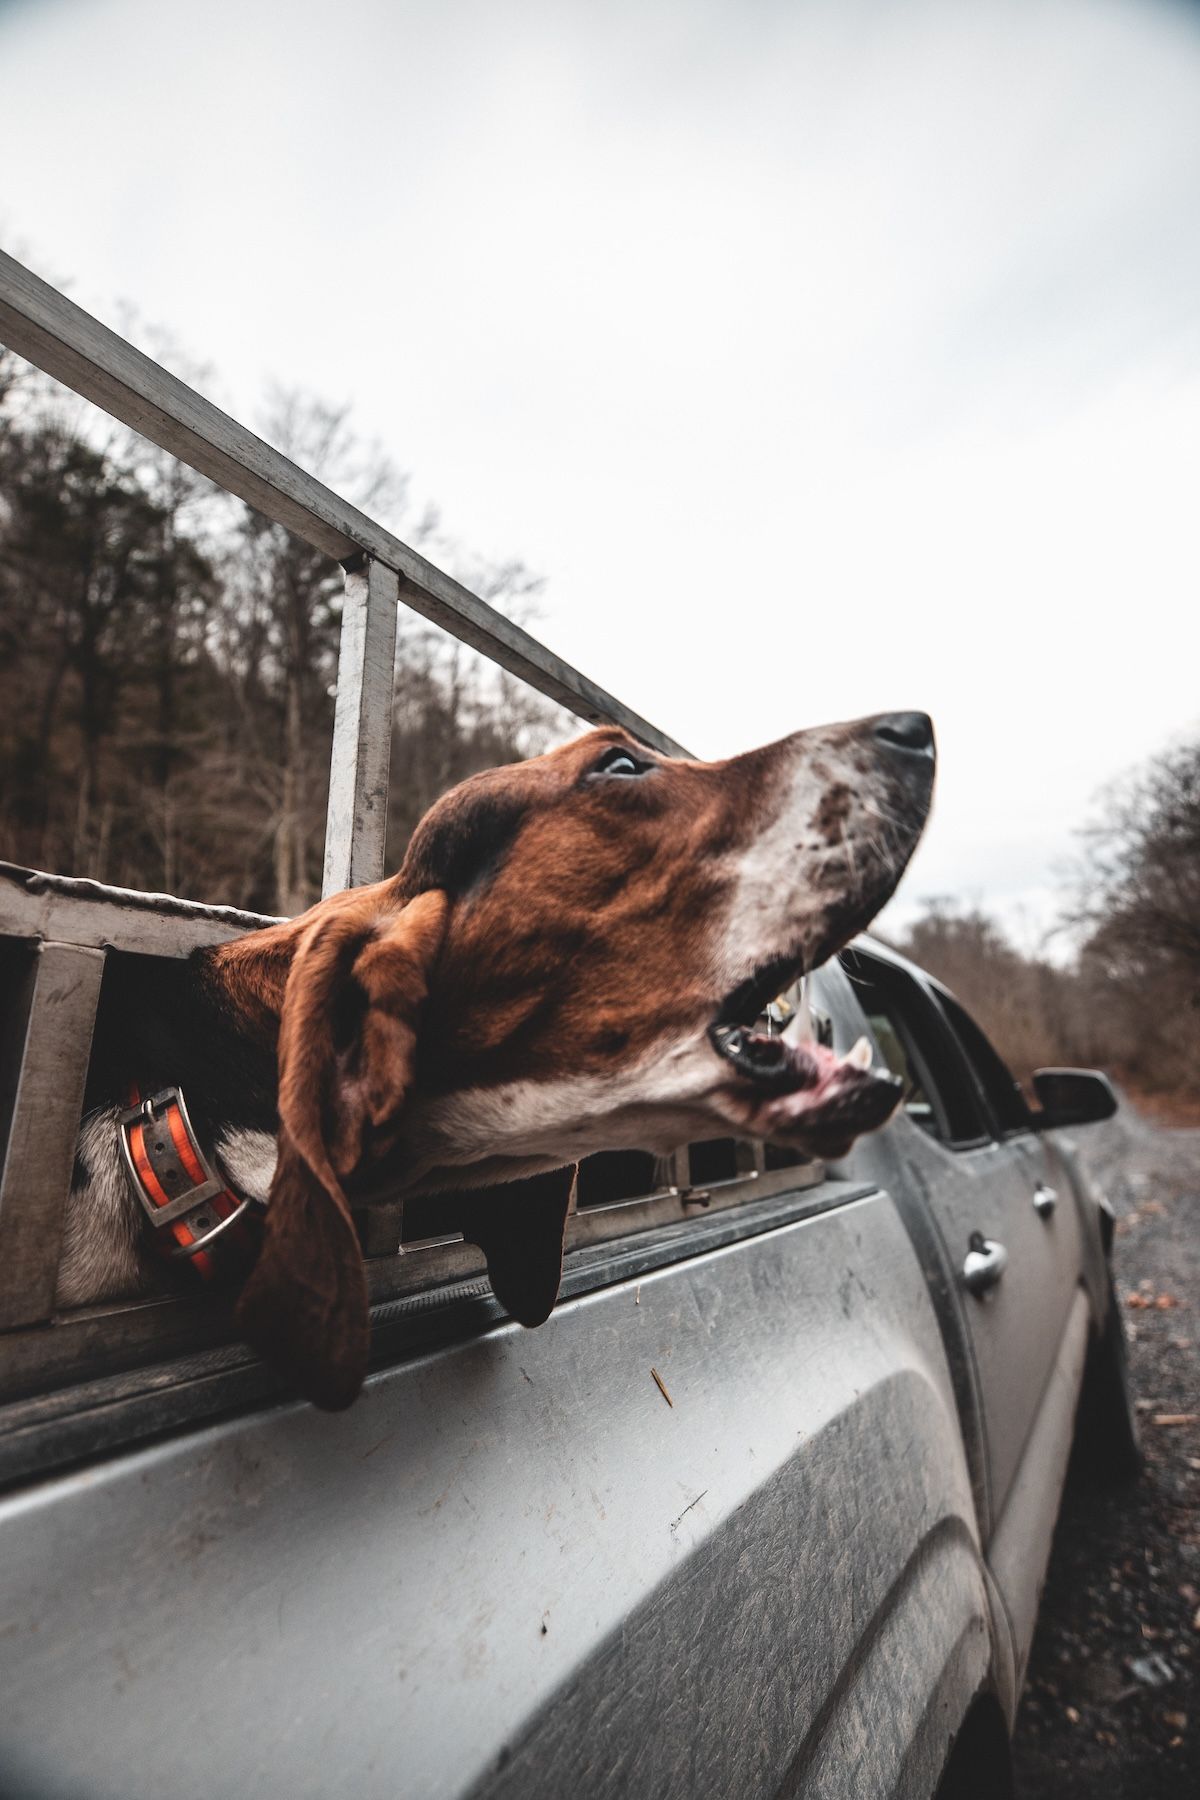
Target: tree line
168, 659
167, 668
1127, 997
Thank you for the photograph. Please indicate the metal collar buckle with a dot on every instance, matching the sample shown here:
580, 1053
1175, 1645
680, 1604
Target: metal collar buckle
183, 1197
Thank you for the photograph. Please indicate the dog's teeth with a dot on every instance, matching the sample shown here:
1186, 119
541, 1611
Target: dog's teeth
860, 1056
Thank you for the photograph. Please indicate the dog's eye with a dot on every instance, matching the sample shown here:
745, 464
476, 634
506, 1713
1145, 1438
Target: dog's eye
619, 762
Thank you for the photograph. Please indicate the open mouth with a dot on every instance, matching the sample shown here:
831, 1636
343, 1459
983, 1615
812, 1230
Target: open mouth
784, 1086
774, 1065
796, 1088
778, 1065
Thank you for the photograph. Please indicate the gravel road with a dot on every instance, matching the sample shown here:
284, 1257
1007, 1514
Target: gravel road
1112, 1698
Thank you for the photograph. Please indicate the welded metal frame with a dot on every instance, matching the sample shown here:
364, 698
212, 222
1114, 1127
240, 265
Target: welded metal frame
61, 929
50, 331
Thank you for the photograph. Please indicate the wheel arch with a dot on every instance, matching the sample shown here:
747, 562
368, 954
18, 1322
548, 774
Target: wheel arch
979, 1756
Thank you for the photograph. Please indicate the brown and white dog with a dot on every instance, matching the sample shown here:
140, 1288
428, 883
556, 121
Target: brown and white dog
572, 958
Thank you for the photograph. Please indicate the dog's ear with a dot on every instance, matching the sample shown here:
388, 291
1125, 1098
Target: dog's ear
347, 1041
521, 1230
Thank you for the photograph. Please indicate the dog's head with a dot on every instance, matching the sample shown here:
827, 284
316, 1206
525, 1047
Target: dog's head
572, 957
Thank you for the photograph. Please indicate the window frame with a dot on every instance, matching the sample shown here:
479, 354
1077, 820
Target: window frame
892, 975
948, 1004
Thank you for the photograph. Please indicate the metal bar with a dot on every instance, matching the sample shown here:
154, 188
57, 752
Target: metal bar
39, 1153
380, 1228
49, 330
39, 906
356, 820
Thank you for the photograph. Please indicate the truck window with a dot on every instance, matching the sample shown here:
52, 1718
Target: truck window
999, 1086
917, 1046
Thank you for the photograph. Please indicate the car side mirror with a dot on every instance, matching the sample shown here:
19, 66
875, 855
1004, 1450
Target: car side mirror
1073, 1096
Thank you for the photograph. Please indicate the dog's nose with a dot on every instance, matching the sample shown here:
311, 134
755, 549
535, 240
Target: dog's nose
910, 731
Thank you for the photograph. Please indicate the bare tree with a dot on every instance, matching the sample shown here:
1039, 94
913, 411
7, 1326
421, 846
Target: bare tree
1130, 998
168, 658
1140, 885
289, 597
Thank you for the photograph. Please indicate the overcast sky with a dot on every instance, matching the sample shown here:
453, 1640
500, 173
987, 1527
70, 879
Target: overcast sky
824, 357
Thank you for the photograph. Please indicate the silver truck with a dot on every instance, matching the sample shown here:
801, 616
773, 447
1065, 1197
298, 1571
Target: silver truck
762, 1510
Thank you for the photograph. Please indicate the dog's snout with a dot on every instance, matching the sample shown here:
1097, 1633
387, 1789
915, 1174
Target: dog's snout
911, 732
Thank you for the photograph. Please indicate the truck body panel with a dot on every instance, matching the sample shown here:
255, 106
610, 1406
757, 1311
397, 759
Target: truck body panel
518, 1532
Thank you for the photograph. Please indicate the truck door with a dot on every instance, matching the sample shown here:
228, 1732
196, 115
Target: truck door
967, 1140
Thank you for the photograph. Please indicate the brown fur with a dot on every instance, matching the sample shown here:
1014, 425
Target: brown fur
545, 920
305, 1304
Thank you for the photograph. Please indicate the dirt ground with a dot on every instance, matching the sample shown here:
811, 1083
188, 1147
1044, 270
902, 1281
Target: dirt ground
1112, 1698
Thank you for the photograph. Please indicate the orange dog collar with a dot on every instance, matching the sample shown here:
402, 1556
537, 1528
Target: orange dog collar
185, 1200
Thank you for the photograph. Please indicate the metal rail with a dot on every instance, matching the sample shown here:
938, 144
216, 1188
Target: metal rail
50, 331
56, 932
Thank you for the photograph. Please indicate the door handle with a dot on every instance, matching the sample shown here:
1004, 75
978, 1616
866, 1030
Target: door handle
984, 1264
1045, 1199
